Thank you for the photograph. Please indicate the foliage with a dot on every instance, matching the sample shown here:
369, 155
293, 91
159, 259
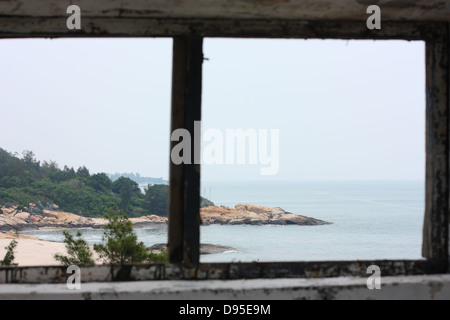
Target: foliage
121, 242
205, 202
126, 189
83, 172
157, 199
100, 182
8, 260
78, 251
153, 257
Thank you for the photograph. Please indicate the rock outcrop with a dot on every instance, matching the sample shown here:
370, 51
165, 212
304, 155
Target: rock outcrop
254, 215
14, 219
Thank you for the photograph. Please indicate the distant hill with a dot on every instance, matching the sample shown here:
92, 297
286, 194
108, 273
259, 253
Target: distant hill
137, 178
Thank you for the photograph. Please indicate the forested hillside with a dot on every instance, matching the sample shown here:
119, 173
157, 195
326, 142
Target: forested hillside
24, 180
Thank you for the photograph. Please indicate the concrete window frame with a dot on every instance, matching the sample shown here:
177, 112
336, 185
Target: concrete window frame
38, 19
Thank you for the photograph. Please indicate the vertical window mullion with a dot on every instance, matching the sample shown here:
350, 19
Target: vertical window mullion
435, 228
184, 191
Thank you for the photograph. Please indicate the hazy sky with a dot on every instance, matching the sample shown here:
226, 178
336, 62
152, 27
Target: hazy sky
344, 109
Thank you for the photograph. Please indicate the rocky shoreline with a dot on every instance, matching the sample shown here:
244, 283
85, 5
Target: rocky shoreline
13, 218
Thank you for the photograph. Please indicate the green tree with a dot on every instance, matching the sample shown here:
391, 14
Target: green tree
8, 260
78, 251
50, 166
121, 245
100, 182
29, 158
58, 176
69, 173
126, 189
157, 199
83, 172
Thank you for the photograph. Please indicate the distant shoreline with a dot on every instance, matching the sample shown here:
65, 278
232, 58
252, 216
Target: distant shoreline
17, 219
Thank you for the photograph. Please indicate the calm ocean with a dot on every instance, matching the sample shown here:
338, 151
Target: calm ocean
371, 220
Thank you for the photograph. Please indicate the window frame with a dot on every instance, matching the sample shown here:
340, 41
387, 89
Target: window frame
184, 217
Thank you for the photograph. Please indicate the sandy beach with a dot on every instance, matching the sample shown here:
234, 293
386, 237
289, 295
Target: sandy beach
32, 252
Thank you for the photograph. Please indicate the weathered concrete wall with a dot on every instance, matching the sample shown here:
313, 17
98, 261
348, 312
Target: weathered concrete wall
341, 288
219, 271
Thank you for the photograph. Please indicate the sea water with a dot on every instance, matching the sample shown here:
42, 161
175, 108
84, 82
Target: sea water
370, 220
